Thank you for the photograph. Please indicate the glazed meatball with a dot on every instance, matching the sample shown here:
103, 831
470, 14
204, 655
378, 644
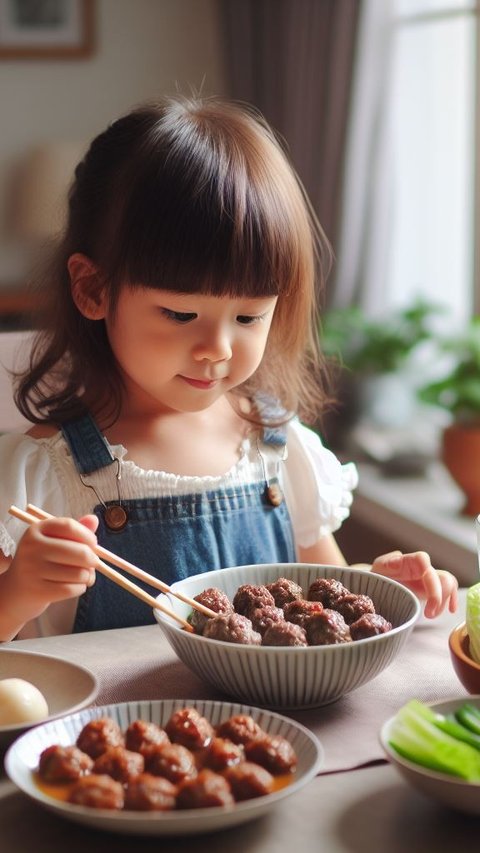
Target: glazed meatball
188, 728
249, 598
99, 735
263, 617
216, 600
353, 606
284, 590
208, 789
149, 793
172, 761
119, 763
223, 753
232, 628
284, 634
369, 625
63, 763
327, 628
273, 752
300, 611
142, 735
326, 590
248, 780
97, 792
240, 728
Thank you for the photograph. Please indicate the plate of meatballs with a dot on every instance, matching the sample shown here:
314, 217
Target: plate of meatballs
166, 767
289, 636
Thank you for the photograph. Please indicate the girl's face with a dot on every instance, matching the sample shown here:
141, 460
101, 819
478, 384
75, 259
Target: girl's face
182, 352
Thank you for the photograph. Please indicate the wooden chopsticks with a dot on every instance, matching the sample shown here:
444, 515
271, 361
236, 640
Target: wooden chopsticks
35, 514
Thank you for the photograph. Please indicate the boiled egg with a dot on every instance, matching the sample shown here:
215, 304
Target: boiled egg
21, 702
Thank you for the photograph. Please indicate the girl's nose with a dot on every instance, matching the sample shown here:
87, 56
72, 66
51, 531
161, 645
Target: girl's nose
215, 346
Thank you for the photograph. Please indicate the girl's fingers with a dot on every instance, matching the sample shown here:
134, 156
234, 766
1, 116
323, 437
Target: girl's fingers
416, 571
68, 528
90, 522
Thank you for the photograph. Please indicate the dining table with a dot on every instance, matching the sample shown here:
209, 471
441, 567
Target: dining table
358, 802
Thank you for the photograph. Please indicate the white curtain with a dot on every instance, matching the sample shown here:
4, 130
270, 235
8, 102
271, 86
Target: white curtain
365, 211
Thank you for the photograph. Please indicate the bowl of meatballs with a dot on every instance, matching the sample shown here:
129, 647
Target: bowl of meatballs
164, 767
290, 636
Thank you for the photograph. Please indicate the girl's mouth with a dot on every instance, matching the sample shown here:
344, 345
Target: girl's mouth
204, 384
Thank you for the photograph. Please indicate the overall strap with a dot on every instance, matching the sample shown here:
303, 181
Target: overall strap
271, 410
89, 449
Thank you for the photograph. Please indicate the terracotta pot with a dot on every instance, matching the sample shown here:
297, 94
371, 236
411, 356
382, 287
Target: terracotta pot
461, 456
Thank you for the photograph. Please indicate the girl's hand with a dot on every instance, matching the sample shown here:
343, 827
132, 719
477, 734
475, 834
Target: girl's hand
415, 571
54, 561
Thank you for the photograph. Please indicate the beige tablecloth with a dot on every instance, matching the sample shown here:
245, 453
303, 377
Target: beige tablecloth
138, 663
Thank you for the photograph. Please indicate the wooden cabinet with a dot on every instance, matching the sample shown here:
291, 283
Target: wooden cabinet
17, 307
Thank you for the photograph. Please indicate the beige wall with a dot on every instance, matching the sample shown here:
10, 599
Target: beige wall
144, 48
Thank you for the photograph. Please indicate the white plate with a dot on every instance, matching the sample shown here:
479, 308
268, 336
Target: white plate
66, 686
22, 759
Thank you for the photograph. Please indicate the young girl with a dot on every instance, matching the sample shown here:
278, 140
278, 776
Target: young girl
166, 388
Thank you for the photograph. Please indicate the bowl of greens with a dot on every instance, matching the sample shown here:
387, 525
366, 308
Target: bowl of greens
464, 644
436, 749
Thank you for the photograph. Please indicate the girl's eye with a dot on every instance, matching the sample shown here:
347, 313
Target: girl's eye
246, 320
178, 316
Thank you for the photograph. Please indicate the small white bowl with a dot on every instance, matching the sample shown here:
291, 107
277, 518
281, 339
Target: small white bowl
291, 677
449, 790
66, 686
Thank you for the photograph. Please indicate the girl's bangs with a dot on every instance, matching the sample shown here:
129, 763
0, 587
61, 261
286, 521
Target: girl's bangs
196, 252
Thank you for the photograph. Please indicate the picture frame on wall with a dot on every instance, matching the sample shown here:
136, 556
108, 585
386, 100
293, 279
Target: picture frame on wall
46, 29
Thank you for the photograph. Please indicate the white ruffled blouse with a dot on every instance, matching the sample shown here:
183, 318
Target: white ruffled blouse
317, 488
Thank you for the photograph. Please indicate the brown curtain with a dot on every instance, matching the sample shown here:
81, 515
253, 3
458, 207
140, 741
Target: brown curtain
293, 59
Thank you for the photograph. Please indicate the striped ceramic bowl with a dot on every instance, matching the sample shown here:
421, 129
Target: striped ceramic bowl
291, 677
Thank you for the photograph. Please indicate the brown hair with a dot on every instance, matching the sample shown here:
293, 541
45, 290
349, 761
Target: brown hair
186, 194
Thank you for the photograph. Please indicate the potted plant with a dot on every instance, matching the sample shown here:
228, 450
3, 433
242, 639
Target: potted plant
457, 391
373, 356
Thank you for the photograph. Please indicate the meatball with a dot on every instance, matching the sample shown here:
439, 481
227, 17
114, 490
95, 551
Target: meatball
97, 792
326, 590
119, 763
249, 597
63, 763
369, 625
99, 735
232, 628
240, 728
284, 590
263, 617
248, 780
223, 753
284, 634
172, 761
353, 606
188, 728
149, 793
141, 736
273, 752
216, 600
327, 628
208, 789
300, 611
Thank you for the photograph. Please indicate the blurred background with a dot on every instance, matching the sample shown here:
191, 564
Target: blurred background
377, 101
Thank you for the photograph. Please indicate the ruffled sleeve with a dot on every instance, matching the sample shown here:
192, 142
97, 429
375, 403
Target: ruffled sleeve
318, 488
27, 476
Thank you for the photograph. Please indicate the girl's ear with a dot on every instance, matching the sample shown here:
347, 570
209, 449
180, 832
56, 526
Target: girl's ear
88, 289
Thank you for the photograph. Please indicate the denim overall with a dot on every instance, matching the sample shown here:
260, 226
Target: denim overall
175, 537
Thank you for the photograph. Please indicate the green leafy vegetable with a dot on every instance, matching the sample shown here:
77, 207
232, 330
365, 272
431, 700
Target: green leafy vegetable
418, 734
473, 621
